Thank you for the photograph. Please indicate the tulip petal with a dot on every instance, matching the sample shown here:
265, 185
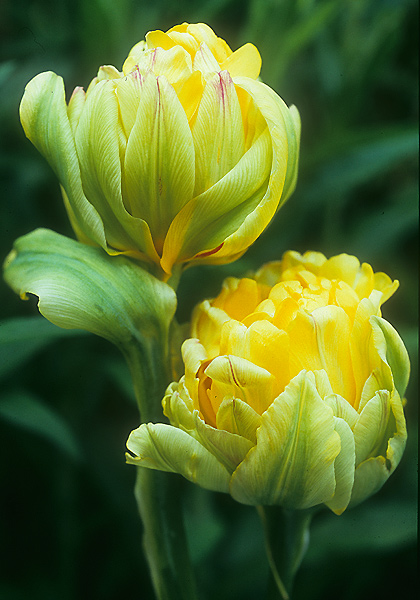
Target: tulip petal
369, 477
237, 416
80, 287
372, 473
206, 325
293, 461
269, 348
343, 468
204, 33
43, 113
284, 130
229, 448
320, 340
205, 62
166, 448
245, 61
75, 107
240, 378
396, 355
370, 431
219, 112
100, 142
206, 220
159, 160
342, 409
178, 406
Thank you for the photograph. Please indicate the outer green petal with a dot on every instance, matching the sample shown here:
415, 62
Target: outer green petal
372, 473
166, 448
395, 355
229, 448
100, 145
43, 113
237, 416
209, 218
344, 468
369, 477
219, 112
342, 409
293, 461
80, 287
371, 427
178, 406
159, 161
284, 132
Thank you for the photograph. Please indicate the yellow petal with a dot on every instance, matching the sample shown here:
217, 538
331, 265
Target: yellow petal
240, 378
205, 34
321, 340
245, 61
269, 348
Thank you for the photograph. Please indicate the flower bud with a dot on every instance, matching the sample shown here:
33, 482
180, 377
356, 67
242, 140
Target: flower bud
292, 388
183, 156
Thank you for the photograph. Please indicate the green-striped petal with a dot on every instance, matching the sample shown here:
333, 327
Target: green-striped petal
293, 462
159, 159
44, 117
343, 468
166, 448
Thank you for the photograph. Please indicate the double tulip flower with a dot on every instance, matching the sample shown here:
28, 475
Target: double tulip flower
182, 156
293, 389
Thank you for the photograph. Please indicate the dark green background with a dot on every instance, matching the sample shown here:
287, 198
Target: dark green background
69, 527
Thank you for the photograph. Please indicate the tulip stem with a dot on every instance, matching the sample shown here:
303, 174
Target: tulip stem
157, 494
286, 535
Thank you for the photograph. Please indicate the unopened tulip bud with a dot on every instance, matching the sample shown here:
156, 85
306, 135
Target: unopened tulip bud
183, 156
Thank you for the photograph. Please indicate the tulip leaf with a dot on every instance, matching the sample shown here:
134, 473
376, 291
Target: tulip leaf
25, 410
80, 287
22, 337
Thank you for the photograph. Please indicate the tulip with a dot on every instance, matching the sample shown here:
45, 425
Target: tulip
293, 387
183, 156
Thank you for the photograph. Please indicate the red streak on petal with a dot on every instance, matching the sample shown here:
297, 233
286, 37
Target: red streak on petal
209, 252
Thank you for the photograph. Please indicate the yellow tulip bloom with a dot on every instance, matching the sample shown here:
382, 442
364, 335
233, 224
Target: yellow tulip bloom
182, 156
292, 388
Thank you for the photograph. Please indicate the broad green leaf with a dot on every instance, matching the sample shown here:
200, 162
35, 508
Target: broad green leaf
80, 287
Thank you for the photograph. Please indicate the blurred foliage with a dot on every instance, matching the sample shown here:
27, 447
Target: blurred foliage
69, 526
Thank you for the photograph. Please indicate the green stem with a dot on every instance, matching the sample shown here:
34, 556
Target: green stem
157, 494
286, 540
